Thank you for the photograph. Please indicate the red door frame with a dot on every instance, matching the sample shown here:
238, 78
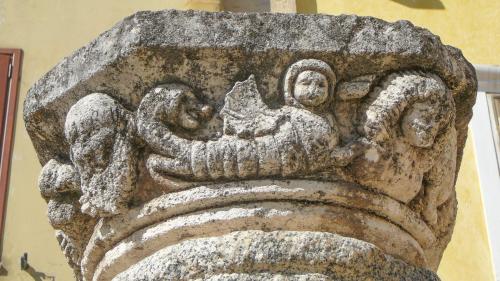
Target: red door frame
8, 114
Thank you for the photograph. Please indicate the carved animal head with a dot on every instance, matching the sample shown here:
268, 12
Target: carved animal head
176, 105
419, 102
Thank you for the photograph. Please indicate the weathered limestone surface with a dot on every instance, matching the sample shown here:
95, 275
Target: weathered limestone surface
219, 146
278, 255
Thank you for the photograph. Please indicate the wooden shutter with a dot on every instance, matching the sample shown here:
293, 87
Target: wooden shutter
10, 70
5, 75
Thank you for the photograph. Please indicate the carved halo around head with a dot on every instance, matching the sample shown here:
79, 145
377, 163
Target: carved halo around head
301, 66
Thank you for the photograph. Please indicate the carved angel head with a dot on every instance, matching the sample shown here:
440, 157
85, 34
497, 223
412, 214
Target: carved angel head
310, 84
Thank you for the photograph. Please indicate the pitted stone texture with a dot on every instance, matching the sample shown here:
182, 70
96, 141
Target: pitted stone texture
295, 140
267, 276
59, 185
101, 133
280, 255
217, 209
211, 51
187, 125
57, 178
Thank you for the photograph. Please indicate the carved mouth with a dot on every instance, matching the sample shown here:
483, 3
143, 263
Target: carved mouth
193, 114
214, 210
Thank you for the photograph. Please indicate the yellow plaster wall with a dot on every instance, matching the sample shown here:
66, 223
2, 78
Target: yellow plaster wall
48, 30
468, 256
473, 27
470, 25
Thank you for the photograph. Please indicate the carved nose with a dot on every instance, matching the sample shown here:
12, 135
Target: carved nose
314, 92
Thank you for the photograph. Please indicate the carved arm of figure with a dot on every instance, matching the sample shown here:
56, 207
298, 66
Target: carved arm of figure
344, 155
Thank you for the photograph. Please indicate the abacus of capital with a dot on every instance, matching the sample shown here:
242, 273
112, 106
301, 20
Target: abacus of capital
183, 145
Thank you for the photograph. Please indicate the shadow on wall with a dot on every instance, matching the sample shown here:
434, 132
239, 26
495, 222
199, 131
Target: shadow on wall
306, 6
421, 4
38, 275
3, 270
310, 6
257, 6
260, 6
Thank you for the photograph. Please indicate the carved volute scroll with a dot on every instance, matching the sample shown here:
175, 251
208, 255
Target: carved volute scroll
185, 155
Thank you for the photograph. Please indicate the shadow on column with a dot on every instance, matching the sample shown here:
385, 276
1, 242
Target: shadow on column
422, 4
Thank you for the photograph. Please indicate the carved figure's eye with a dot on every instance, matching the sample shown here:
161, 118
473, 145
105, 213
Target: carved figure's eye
305, 82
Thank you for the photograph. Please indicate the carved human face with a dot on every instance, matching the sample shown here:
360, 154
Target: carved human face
91, 128
92, 147
419, 124
311, 88
192, 112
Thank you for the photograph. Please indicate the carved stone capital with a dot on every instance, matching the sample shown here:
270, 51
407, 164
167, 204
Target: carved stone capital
220, 146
